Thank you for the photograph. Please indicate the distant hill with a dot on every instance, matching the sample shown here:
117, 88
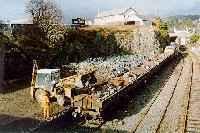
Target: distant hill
183, 17
182, 21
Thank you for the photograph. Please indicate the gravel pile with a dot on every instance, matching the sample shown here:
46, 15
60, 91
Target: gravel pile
108, 68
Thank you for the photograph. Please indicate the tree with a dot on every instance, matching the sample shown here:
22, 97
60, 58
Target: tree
48, 17
3, 26
162, 33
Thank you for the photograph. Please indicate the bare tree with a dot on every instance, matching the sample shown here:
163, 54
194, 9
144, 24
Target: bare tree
48, 17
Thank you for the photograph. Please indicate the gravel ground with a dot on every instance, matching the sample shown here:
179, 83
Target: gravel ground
18, 103
17, 110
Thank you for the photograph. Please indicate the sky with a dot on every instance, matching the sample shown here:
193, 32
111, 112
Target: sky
15, 9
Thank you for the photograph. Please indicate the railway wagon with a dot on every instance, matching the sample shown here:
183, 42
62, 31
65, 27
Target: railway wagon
76, 91
109, 96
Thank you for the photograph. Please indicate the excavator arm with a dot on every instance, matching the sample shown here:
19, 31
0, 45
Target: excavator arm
34, 75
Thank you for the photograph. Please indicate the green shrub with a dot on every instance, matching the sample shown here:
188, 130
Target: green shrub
195, 38
162, 35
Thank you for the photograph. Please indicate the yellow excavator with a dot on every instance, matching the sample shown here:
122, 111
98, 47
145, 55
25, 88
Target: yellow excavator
48, 81
62, 91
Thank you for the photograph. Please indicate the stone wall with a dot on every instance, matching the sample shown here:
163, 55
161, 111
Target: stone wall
140, 41
93, 42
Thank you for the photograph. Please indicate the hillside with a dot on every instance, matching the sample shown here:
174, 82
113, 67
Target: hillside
182, 21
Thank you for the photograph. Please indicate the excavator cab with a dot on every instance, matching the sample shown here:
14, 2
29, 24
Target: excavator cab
47, 81
47, 78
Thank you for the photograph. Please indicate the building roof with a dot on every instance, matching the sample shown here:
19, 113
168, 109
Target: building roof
121, 12
26, 20
114, 12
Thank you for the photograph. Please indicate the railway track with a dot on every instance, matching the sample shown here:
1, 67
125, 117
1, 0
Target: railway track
175, 115
152, 119
193, 116
178, 110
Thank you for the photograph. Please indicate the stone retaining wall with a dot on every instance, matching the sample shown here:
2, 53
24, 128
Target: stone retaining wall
140, 41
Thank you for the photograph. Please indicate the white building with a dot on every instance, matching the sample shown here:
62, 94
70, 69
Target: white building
88, 22
26, 20
183, 36
119, 17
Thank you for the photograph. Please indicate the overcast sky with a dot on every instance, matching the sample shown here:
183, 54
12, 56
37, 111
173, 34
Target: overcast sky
15, 9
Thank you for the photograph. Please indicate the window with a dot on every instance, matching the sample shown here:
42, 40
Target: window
43, 79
